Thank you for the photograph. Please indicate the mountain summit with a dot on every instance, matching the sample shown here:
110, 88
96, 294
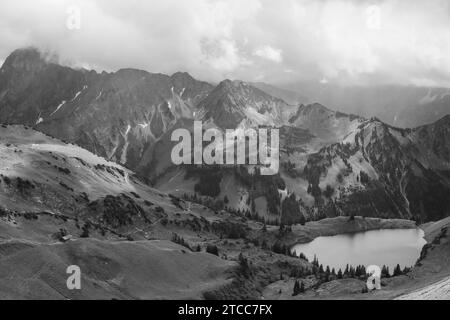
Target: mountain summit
231, 102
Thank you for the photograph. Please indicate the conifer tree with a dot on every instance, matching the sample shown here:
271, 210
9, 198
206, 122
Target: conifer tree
397, 271
321, 269
296, 288
302, 287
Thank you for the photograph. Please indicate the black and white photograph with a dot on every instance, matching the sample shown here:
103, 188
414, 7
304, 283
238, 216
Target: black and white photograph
224, 155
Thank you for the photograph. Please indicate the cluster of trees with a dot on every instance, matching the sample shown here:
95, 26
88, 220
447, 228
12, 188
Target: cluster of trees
397, 271
314, 190
299, 287
257, 217
290, 169
358, 272
267, 185
229, 230
24, 185
364, 177
290, 211
209, 179
180, 240
209, 202
281, 248
212, 249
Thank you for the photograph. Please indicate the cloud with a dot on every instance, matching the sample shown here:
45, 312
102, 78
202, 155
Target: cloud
269, 53
344, 41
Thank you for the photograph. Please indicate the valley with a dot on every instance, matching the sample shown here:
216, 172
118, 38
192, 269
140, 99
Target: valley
124, 238
87, 178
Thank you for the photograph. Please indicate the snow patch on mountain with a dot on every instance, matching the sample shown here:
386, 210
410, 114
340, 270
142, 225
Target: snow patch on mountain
78, 93
58, 107
123, 157
127, 130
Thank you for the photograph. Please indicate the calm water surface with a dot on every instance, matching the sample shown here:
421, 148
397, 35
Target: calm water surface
377, 247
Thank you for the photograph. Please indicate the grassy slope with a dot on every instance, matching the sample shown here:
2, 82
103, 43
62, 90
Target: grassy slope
122, 270
33, 263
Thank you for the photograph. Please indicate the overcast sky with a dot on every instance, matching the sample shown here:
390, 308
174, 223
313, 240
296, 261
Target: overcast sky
276, 41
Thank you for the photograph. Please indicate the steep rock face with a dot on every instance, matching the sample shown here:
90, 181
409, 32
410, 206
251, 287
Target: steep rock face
190, 89
436, 138
387, 171
232, 102
31, 85
117, 115
328, 125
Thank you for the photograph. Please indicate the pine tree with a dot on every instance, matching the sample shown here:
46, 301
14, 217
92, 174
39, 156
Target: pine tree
302, 287
327, 274
352, 272
363, 271
346, 272
388, 272
315, 261
296, 288
384, 272
397, 271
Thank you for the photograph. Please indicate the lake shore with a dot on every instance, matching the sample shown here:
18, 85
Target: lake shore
335, 226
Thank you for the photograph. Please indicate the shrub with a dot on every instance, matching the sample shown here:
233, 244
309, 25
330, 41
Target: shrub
212, 249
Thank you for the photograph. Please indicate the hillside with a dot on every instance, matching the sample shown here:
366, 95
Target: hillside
49, 189
331, 163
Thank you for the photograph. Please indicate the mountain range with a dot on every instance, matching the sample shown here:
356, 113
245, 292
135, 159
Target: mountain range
332, 163
86, 178
400, 106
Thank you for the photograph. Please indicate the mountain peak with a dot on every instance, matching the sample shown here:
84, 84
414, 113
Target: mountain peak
25, 59
182, 76
234, 100
235, 84
314, 107
445, 119
227, 83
